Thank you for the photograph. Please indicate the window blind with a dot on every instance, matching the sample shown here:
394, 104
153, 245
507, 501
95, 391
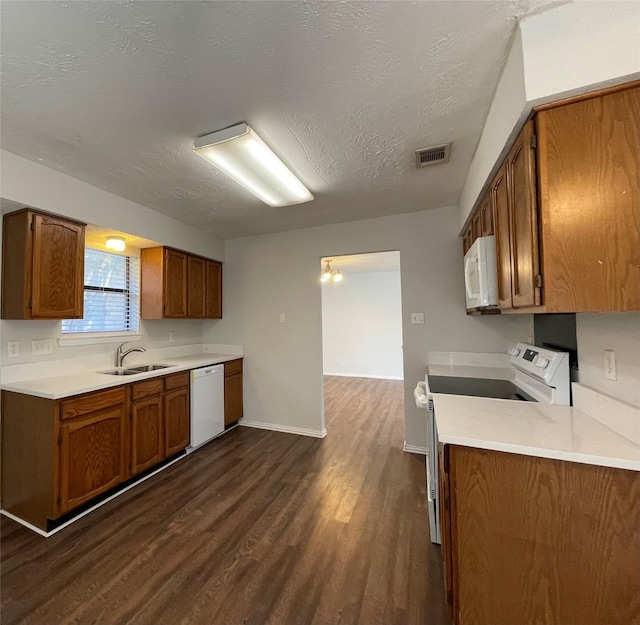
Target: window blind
111, 294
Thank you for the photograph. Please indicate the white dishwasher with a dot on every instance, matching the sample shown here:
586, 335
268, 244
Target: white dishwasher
207, 404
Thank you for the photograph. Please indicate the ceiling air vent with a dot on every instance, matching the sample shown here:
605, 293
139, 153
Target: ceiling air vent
433, 156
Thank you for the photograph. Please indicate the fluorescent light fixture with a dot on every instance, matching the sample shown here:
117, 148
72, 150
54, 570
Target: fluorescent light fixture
240, 153
116, 244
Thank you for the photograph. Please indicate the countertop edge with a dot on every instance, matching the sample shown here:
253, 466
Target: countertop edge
541, 452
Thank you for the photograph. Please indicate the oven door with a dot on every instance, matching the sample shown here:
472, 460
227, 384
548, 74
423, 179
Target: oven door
423, 401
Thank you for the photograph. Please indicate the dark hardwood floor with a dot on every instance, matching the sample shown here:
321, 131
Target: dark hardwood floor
257, 527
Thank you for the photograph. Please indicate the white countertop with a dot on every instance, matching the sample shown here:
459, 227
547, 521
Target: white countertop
77, 383
533, 429
596, 430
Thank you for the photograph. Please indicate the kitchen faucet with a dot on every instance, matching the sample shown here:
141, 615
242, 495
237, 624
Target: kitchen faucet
120, 354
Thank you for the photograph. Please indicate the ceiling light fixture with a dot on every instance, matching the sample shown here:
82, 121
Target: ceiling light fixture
330, 275
240, 153
116, 244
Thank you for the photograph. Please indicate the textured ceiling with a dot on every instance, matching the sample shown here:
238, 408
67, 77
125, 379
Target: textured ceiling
114, 93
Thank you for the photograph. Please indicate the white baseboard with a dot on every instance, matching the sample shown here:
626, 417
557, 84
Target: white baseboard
283, 428
414, 449
362, 375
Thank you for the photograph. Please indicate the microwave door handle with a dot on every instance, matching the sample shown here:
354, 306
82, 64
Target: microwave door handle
467, 276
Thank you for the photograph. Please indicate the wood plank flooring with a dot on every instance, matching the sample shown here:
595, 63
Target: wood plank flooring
256, 528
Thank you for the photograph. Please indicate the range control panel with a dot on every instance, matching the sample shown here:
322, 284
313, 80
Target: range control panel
539, 362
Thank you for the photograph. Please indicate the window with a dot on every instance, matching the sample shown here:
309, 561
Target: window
111, 294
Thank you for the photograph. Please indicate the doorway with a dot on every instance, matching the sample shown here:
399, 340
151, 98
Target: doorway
362, 320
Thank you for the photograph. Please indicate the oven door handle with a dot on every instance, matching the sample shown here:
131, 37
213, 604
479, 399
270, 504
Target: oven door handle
420, 395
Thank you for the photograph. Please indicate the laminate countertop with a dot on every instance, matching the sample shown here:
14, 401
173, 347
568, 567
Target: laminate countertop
597, 429
58, 387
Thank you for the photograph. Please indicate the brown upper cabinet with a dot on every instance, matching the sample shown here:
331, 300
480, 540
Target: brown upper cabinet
177, 285
523, 219
213, 290
502, 230
486, 216
564, 208
589, 177
195, 287
42, 266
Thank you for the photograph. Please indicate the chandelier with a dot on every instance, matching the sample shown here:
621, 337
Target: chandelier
330, 275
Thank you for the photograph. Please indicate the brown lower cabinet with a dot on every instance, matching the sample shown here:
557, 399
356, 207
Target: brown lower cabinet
233, 404
534, 540
60, 454
92, 455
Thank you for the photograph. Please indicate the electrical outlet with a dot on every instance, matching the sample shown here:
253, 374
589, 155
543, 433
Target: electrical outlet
610, 365
40, 347
13, 349
417, 318
172, 337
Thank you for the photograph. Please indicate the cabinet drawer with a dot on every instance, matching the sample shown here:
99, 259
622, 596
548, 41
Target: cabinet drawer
148, 387
90, 402
176, 381
233, 366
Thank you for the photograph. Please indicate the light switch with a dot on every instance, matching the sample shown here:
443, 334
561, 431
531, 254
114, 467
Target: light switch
417, 318
282, 318
40, 347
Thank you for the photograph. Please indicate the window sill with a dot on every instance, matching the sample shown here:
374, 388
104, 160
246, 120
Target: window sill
95, 338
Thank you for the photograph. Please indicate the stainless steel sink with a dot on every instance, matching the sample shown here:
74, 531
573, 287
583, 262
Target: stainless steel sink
135, 370
120, 372
145, 368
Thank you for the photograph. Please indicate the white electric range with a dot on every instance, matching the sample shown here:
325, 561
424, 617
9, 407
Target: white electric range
534, 374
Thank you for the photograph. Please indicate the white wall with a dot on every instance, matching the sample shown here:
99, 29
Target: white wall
508, 109
580, 46
362, 326
30, 184
619, 332
283, 366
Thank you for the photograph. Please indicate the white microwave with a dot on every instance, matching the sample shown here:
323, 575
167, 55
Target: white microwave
481, 274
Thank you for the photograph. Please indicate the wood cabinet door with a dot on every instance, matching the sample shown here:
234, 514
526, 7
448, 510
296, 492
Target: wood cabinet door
213, 290
539, 540
523, 215
486, 215
92, 455
589, 173
476, 226
175, 284
500, 207
176, 421
57, 268
196, 287
233, 408
467, 239
147, 446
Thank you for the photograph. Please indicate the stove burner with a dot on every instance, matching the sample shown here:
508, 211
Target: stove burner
477, 387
